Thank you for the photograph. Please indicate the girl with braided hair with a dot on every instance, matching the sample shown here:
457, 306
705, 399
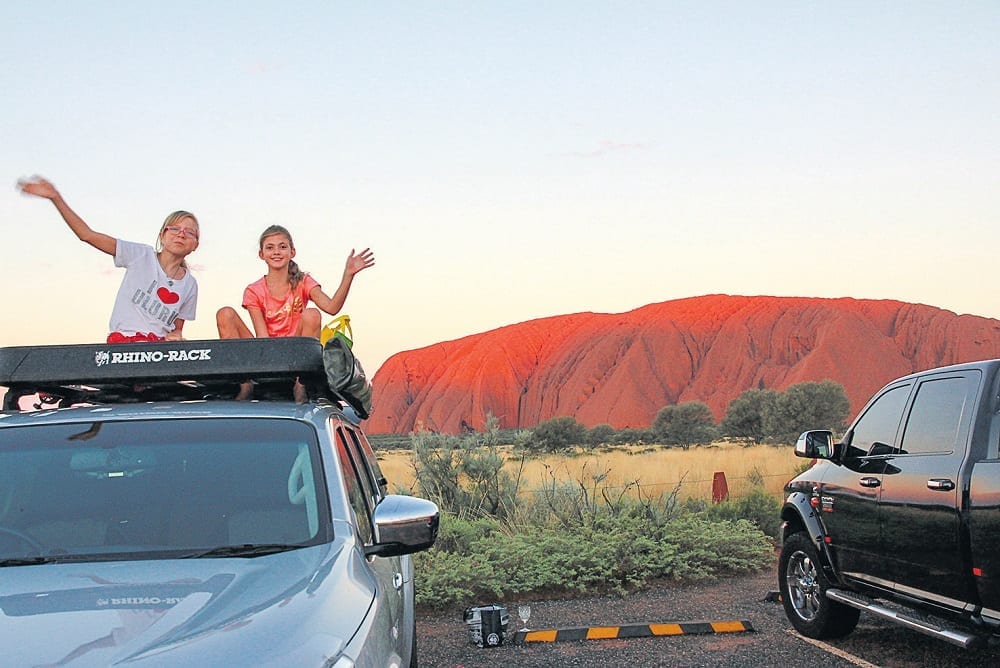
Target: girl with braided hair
277, 303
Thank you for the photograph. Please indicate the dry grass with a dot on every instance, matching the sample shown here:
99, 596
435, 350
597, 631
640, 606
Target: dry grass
657, 470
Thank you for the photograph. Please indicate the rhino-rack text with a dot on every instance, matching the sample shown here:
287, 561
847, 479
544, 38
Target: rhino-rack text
104, 357
131, 601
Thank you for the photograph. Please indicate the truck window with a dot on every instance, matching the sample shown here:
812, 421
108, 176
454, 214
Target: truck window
880, 422
940, 414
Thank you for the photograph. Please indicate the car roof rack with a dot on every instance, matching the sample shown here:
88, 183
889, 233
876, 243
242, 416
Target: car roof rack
162, 371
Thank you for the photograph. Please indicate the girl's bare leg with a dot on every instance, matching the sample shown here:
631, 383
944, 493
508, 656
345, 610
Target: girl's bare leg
231, 326
311, 323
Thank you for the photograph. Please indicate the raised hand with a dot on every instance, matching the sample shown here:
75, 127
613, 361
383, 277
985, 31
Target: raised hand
362, 260
38, 187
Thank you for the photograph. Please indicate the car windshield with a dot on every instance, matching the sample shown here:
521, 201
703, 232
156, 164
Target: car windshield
156, 489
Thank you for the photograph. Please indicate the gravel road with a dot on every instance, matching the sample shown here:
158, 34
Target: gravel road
443, 641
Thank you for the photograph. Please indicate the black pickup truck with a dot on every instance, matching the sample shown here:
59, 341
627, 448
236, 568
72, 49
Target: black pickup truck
901, 518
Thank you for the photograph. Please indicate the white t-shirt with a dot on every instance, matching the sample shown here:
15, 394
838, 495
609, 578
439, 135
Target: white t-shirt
148, 300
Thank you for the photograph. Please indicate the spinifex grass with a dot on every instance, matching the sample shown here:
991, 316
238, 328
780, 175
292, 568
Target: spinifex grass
657, 469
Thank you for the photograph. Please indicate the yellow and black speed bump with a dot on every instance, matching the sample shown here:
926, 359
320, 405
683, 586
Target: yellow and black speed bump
632, 631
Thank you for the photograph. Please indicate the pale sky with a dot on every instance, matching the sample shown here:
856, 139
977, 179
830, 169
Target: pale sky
505, 160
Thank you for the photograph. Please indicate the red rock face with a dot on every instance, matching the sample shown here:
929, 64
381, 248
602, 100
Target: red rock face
622, 368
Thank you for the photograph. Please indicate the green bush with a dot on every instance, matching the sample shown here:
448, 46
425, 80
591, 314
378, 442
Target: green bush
464, 474
600, 434
448, 578
758, 507
611, 551
630, 436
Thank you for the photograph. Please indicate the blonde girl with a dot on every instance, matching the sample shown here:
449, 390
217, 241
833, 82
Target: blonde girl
158, 294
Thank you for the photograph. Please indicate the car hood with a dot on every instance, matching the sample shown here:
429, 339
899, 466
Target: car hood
293, 608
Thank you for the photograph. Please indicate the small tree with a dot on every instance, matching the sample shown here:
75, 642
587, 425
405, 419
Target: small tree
556, 434
745, 417
805, 406
686, 424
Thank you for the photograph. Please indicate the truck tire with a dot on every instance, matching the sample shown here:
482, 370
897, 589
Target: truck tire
803, 592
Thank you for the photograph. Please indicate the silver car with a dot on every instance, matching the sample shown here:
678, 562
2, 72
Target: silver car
204, 532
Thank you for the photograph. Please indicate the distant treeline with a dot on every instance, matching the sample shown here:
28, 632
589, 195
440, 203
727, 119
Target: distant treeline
756, 416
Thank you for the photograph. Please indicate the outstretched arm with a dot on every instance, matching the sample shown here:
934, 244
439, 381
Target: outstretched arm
355, 263
39, 187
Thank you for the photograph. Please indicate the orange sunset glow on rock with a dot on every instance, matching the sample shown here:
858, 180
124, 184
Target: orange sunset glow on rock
621, 368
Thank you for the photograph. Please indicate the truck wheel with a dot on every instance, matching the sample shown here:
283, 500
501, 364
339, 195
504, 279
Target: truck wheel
803, 592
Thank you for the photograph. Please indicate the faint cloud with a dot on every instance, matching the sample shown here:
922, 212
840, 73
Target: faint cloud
607, 147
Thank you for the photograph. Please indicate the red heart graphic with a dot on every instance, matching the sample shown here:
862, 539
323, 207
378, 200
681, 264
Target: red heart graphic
167, 297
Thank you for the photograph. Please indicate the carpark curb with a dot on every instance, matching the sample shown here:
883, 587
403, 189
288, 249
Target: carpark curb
632, 631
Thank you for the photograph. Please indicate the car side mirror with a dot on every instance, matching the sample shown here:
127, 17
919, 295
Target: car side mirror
816, 444
403, 525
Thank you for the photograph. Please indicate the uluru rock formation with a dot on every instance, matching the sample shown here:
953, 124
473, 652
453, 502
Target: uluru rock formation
621, 368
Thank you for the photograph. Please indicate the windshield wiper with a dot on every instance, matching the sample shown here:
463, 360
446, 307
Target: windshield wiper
248, 550
27, 561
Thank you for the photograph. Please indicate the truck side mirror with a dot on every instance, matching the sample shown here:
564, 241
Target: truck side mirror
816, 444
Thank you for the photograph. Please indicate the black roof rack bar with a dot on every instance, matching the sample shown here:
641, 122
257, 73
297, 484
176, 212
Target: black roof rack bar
233, 360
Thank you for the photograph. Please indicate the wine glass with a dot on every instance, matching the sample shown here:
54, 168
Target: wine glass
524, 612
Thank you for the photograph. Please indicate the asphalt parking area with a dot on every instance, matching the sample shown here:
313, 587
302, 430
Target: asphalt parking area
443, 640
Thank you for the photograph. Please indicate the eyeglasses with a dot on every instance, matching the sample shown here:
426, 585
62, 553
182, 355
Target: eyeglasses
182, 231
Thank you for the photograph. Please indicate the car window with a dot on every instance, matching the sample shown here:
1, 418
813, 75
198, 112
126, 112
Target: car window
940, 414
150, 487
880, 421
373, 465
370, 479
357, 492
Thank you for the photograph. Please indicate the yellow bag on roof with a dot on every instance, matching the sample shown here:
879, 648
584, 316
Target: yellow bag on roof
340, 327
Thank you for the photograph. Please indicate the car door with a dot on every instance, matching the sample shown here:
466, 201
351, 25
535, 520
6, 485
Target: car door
387, 570
919, 504
849, 493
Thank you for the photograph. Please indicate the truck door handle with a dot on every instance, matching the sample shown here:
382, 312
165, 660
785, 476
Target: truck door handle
941, 484
869, 481
397, 581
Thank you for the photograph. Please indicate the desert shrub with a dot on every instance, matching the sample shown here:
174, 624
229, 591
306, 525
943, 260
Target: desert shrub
600, 434
611, 551
629, 436
448, 578
459, 534
758, 507
464, 474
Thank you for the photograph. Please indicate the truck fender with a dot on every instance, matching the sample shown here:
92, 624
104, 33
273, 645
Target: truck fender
798, 512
